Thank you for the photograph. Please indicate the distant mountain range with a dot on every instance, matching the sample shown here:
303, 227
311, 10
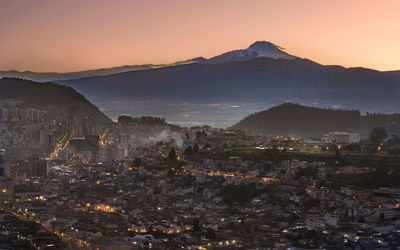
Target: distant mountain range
223, 89
53, 76
294, 119
46, 95
256, 50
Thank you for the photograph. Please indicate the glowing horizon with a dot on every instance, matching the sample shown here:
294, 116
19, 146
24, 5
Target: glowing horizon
66, 36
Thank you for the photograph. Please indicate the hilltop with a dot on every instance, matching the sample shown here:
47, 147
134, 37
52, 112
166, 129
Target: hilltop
295, 119
44, 95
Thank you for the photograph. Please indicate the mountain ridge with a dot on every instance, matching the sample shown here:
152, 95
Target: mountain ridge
252, 85
30, 94
295, 119
255, 50
224, 90
53, 76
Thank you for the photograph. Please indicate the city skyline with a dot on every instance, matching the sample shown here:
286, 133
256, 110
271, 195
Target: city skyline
176, 124
47, 36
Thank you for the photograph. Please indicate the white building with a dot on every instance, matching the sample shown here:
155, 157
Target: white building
315, 224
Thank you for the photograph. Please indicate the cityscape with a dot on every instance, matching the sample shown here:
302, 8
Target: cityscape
252, 148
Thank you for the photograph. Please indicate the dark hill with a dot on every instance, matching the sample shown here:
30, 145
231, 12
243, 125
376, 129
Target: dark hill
43, 95
257, 80
289, 119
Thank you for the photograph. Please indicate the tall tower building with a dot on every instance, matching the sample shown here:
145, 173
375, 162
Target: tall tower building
6, 182
4, 165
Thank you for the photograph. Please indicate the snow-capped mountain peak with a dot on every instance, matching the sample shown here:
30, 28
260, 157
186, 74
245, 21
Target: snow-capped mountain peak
267, 49
256, 50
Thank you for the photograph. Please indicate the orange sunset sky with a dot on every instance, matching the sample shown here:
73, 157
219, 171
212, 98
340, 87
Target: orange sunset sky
77, 35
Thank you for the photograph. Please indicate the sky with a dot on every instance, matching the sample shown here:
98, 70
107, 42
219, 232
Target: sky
74, 35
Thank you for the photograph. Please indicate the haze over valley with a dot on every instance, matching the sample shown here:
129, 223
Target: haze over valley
224, 89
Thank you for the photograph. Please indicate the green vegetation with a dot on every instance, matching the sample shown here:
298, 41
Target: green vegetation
377, 135
240, 194
376, 179
309, 149
380, 160
241, 150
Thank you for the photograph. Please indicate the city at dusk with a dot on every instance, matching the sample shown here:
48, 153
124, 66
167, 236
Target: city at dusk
208, 125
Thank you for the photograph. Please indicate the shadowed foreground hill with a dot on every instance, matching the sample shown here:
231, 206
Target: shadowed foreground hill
43, 95
295, 119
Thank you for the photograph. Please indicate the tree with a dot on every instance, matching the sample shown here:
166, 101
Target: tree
172, 155
196, 148
137, 162
377, 135
125, 119
338, 155
293, 218
201, 134
361, 219
188, 150
196, 225
382, 216
394, 140
157, 190
210, 233
242, 193
310, 203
